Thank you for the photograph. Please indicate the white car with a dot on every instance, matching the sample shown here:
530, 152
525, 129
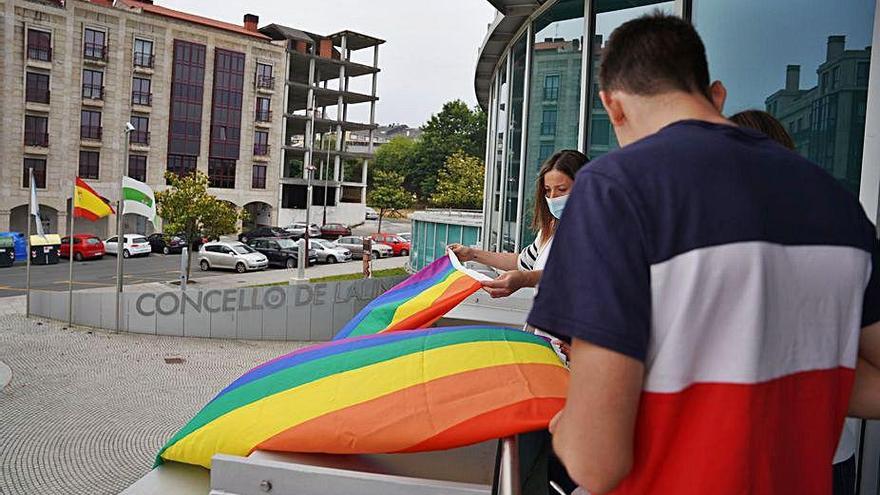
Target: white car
330, 252
298, 229
370, 214
232, 255
134, 245
407, 236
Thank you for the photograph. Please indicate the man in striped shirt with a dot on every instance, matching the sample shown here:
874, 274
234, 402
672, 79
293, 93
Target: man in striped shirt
719, 291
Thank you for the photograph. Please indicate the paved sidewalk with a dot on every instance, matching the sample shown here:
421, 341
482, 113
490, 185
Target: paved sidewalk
86, 411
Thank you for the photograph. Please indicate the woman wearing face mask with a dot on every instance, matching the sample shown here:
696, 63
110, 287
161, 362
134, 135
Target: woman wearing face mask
554, 182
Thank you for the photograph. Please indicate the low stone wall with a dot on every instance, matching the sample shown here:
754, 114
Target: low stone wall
307, 312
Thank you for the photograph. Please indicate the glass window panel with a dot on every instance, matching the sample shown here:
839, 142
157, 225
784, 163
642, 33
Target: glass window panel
500, 93
514, 144
809, 65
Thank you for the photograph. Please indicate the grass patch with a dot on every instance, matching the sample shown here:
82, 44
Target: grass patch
388, 272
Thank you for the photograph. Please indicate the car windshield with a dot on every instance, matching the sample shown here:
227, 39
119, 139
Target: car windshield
139, 240
93, 240
243, 249
278, 230
286, 243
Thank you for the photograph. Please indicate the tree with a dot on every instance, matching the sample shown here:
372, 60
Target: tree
397, 155
188, 210
387, 193
455, 128
460, 183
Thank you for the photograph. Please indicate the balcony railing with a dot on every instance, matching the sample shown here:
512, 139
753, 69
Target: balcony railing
264, 116
92, 132
35, 138
265, 82
37, 95
93, 91
548, 128
95, 51
141, 98
551, 93
140, 137
144, 60
261, 149
41, 53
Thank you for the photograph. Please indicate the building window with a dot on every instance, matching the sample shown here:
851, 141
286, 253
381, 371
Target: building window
293, 196
143, 53
545, 151
88, 164
93, 84
39, 45
548, 122
261, 143
226, 104
551, 87
187, 92
95, 45
221, 173
39, 166
140, 91
264, 78
181, 165
263, 112
36, 131
258, 181
90, 125
37, 87
141, 132
862, 74
835, 77
137, 167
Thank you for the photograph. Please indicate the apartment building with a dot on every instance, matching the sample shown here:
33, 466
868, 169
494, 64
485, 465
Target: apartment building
198, 91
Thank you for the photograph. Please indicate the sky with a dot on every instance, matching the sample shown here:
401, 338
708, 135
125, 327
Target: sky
428, 59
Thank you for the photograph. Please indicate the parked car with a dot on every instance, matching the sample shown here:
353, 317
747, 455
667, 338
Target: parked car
356, 246
330, 252
166, 244
132, 245
298, 230
407, 236
399, 245
85, 246
233, 255
281, 252
276, 232
370, 214
335, 231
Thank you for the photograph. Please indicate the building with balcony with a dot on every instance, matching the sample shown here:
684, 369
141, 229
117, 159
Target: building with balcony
316, 120
197, 90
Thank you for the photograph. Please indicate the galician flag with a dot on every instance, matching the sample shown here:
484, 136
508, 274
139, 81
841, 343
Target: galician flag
88, 204
138, 199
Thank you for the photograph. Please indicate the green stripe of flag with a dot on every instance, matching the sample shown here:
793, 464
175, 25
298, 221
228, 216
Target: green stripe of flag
130, 194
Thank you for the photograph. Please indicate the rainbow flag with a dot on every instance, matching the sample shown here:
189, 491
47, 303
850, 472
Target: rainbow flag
422, 390
87, 203
417, 302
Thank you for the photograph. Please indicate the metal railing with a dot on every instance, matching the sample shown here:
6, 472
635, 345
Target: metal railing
140, 137
93, 91
93, 132
261, 149
37, 95
145, 60
36, 138
141, 98
95, 51
265, 82
41, 53
263, 116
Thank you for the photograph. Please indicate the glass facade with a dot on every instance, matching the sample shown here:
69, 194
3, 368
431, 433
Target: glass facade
804, 61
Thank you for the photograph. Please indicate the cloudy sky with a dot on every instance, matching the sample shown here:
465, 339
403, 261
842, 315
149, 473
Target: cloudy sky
429, 56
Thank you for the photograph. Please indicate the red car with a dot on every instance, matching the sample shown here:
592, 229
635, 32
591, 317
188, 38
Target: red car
335, 231
399, 245
85, 246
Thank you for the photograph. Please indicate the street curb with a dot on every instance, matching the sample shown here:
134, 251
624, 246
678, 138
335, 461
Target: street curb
5, 375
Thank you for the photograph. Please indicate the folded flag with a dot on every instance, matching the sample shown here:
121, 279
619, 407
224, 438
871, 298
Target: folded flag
139, 199
417, 302
87, 203
412, 391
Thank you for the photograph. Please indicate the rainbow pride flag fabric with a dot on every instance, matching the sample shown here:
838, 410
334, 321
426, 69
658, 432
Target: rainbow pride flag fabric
410, 391
417, 302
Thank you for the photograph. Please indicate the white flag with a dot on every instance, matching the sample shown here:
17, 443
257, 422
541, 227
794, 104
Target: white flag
35, 206
139, 199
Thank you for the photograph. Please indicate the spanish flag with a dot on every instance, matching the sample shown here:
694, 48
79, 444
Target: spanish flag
88, 204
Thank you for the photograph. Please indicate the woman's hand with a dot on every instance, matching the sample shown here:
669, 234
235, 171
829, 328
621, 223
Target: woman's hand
507, 283
463, 253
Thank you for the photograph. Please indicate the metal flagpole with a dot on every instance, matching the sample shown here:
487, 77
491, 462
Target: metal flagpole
120, 240
70, 255
27, 310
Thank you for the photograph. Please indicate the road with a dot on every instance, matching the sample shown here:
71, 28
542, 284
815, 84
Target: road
154, 268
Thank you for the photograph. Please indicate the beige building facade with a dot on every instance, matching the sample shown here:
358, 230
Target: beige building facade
75, 72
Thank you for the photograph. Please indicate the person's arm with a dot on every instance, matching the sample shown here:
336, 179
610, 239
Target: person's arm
593, 434
512, 281
865, 399
500, 261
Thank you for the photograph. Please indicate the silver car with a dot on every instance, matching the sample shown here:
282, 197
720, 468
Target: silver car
330, 252
356, 246
232, 255
298, 229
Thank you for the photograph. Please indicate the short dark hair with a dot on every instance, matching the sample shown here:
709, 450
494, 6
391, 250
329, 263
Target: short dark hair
567, 162
762, 121
654, 54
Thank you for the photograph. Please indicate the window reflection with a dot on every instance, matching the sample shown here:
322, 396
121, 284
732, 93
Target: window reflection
804, 61
500, 128
514, 143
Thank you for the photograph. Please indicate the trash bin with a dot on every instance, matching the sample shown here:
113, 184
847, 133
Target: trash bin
7, 251
44, 249
20, 244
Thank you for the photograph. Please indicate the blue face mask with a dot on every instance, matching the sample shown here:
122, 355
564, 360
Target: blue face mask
556, 205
